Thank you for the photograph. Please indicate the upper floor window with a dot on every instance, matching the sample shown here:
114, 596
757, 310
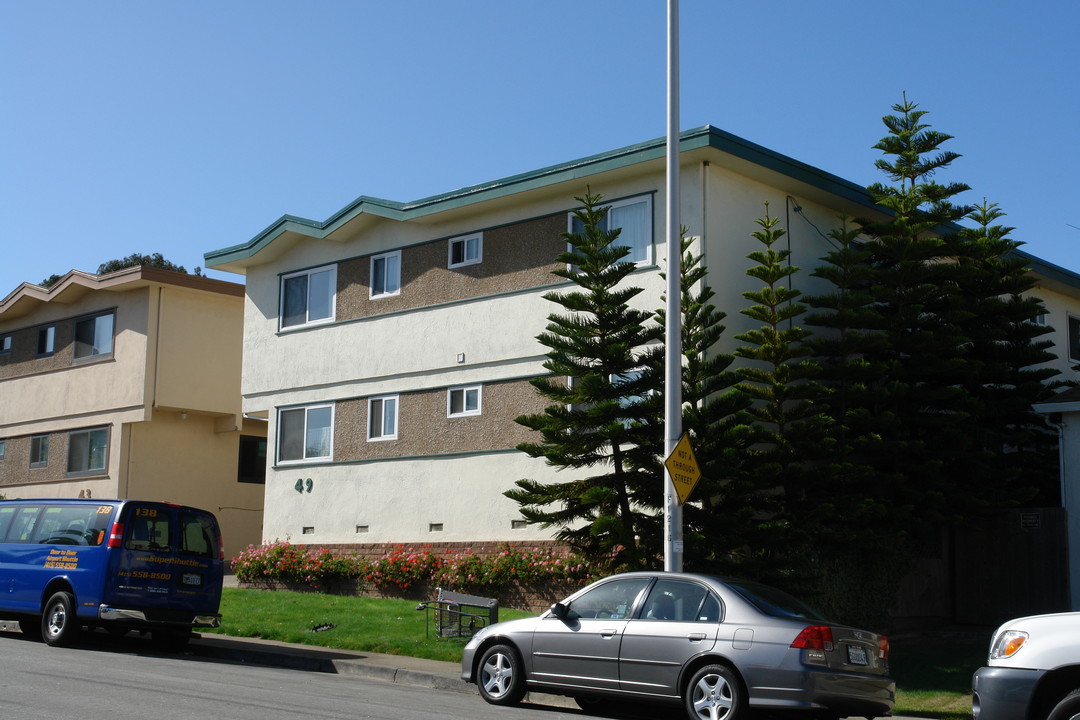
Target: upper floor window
307, 297
94, 335
305, 433
3, 449
5, 343
386, 274
39, 451
88, 450
634, 217
46, 340
467, 250
463, 401
383, 418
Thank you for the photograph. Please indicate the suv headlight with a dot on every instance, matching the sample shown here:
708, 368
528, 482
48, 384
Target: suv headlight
1007, 644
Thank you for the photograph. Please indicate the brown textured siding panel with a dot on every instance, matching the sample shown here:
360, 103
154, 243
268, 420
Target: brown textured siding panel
23, 358
15, 467
424, 428
515, 257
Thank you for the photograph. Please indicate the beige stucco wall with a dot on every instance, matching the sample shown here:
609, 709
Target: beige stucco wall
189, 462
45, 400
199, 348
398, 501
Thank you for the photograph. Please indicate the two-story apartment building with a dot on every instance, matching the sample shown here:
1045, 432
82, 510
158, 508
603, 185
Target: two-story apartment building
128, 385
389, 347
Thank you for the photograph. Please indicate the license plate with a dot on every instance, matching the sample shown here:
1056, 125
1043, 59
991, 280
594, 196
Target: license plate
857, 655
192, 579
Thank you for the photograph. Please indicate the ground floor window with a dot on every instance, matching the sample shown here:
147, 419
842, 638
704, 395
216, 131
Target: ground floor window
305, 433
88, 450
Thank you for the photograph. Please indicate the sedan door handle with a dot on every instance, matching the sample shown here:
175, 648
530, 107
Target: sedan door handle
696, 637
608, 633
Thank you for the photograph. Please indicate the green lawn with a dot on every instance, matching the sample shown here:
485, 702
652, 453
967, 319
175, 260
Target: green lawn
393, 627
933, 673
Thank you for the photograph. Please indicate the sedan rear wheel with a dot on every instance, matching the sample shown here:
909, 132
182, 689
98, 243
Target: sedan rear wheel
715, 693
501, 678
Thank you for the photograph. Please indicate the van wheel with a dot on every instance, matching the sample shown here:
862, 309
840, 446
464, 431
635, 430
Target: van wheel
59, 626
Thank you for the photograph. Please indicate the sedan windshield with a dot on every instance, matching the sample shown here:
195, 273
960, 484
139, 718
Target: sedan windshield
771, 601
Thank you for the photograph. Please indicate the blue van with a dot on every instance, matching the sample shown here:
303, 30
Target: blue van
118, 564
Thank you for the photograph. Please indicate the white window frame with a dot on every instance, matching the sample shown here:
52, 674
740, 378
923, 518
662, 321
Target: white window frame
382, 401
330, 301
88, 470
99, 348
304, 457
477, 239
388, 289
3, 448
6, 340
647, 252
464, 391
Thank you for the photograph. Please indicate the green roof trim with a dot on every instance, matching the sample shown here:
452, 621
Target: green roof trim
706, 136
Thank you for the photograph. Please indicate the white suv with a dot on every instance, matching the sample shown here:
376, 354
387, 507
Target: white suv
1033, 672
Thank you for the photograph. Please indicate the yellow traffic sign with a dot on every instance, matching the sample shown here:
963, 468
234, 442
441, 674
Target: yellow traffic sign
683, 468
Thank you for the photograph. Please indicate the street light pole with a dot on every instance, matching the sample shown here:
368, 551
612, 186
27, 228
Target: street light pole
673, 545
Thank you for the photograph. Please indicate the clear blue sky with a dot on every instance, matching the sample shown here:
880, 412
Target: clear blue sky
183, 127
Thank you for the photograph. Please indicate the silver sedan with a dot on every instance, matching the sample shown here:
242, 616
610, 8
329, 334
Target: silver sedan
717, 647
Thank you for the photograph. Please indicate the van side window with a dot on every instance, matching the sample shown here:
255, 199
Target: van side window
148, 529
22, 526
73, 525
197, 535
6, 513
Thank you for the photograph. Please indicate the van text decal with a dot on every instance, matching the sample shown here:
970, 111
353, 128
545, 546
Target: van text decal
62, 559
175, 561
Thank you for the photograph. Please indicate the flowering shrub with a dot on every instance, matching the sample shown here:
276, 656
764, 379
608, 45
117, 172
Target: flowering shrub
404, 567
511, 564
283, 562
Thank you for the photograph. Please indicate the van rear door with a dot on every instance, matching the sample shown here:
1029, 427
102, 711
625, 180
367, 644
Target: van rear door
168, 563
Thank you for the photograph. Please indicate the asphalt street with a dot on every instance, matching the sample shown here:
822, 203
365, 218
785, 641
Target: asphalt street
416, 672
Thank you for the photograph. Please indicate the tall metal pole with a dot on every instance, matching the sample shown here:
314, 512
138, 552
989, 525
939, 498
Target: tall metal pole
673, 545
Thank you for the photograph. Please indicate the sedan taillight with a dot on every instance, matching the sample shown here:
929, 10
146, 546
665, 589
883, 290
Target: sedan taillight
814, 637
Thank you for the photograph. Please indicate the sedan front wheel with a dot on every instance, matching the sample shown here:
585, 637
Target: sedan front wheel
501, 678
715, 693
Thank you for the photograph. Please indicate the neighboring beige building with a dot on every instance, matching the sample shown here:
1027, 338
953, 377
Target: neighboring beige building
128, 385
390, 346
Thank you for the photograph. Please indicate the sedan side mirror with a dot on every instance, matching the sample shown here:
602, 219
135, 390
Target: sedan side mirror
560, 610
